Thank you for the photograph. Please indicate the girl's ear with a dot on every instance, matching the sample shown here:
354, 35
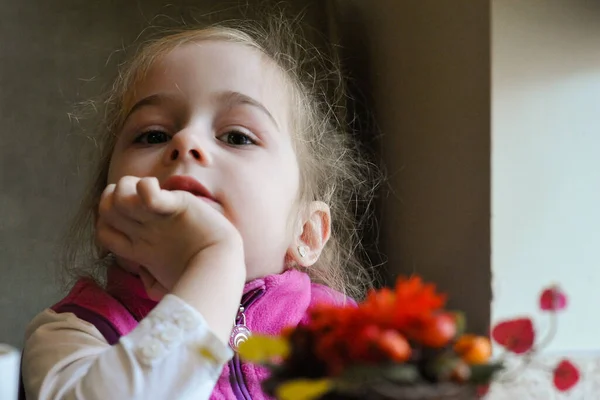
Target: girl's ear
312, 236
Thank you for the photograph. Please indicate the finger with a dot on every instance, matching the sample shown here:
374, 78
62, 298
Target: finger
106, 200
157, 200
113, 217
154, 289
108, 190
113, 240
126, 199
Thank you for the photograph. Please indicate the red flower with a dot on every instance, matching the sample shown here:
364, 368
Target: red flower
364, 345
482, 390
418, 297
409, 306
566, 375
515, 335
377, 330
553, 299
379, 307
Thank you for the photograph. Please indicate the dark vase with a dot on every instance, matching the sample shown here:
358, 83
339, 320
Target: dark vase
387, 391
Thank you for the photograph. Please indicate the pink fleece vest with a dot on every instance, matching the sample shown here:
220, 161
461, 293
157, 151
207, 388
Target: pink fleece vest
271, 304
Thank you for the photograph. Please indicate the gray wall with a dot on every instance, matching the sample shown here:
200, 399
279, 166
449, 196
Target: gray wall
52, 55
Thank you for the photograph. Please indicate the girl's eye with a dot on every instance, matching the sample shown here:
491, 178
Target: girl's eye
236, 138
152, 137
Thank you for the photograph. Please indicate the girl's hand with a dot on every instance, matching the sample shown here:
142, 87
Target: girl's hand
160, 230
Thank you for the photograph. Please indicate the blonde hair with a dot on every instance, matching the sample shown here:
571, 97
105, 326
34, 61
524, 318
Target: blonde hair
331, 165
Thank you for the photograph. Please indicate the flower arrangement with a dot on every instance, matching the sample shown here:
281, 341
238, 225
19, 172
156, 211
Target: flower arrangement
398, 343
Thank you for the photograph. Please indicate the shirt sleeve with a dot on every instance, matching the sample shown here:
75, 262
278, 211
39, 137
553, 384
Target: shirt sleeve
171, 354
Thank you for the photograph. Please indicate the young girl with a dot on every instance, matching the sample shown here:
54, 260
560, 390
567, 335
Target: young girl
222, 206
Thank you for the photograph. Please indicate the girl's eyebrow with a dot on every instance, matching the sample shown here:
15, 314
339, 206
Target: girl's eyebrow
229, 98
152, 100
232, 99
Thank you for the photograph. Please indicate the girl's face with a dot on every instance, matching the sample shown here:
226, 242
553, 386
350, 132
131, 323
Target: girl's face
218, 112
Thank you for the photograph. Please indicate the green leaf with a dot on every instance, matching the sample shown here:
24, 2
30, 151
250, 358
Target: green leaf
399, 373
361, 373
357, 378
403, 373
461, 323
484, 373
443, 366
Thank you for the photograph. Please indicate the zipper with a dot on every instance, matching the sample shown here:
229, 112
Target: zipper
238, 384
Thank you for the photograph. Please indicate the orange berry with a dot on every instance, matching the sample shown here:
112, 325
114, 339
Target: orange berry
438, 331
473, 349
394, 345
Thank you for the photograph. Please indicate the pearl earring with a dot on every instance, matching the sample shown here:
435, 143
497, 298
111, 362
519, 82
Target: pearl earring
302, 250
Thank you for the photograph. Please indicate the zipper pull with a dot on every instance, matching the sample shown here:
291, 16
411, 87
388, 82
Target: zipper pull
240, 332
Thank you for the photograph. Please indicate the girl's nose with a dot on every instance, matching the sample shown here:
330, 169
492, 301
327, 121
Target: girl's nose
186, 147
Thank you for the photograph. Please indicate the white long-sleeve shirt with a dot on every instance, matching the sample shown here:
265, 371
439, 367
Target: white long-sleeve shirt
171, 354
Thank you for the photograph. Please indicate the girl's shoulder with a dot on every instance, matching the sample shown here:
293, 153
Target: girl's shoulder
298, 284
91, 303
324, 294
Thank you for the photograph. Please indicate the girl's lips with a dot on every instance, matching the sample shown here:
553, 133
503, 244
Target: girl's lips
188, 184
